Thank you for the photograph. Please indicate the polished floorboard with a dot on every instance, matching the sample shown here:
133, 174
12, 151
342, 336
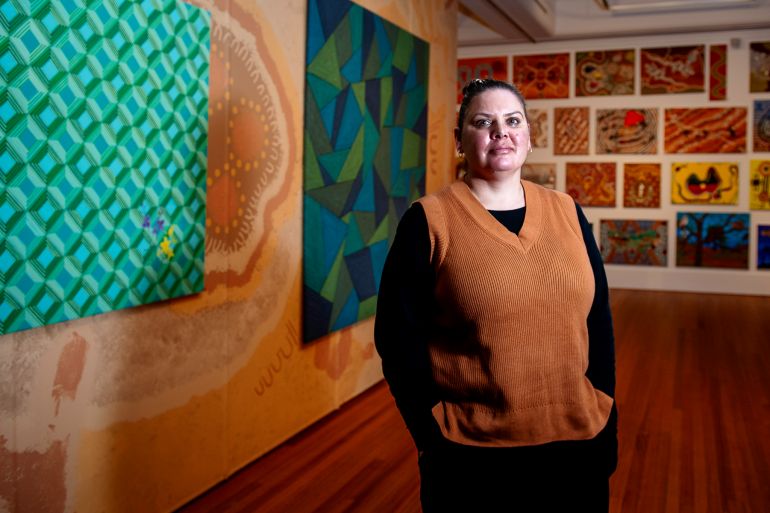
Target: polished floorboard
693, 392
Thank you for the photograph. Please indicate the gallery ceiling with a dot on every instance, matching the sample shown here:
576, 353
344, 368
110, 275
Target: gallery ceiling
489, 22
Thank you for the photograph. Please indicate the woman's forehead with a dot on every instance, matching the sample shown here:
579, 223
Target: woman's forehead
497, 99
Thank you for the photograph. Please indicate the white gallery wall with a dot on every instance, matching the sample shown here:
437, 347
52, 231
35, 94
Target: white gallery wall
751, 281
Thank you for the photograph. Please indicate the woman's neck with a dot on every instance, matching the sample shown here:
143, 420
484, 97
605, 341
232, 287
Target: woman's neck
505, 194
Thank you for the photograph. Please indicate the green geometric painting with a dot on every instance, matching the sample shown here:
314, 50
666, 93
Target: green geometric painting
103, 140
366, 109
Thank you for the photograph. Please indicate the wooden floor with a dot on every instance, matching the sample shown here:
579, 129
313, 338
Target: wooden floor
694, 400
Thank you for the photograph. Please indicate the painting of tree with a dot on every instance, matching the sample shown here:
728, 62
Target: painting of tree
712, 240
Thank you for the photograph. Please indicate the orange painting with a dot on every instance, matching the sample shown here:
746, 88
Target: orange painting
641, 185
542, 76
570, 131
673, 70
706, 130
485, 67
592, 184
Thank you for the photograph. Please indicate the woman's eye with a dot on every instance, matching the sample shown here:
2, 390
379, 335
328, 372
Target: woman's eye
514, 121
481, 123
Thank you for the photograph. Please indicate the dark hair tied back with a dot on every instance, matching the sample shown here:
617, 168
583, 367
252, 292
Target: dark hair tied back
478, 86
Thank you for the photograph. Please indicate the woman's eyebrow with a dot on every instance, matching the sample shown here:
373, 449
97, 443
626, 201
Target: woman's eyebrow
504, 115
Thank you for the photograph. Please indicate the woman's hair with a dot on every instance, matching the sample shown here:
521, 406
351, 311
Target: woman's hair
479, 85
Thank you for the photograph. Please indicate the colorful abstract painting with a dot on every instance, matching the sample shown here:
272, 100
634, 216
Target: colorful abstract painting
542, 76
641, 185
538, 127
570, 131
542, 174
759, 67
366, 112
634, 242
603, 73
592, 184
759, 185
713, 183
627, 131
761, 126
485, 67
717, 72
103, 146
673, 70
705, 130
763, 246
705, 239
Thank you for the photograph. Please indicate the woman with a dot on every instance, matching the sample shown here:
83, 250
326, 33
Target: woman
495, 333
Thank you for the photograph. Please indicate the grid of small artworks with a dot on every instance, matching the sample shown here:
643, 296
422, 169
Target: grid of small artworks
712, 152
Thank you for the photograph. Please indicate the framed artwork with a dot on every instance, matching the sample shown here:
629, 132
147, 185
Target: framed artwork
484, 67
759, 185
717, 72
603, 73
705, 239
592, 184
713, 183
763, 246
366, 112
673, 70
570, 131
103, 182
759, 67
627, 131
634, 242
641, 185
705, 130
538, 127
542, 76
542, 174
761, 126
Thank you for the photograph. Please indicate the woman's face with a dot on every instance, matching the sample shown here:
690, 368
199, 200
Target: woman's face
495, 134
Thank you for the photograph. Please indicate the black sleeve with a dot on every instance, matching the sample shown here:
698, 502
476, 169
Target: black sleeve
404, 304
601, 343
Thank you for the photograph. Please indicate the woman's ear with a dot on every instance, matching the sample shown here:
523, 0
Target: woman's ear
458, 143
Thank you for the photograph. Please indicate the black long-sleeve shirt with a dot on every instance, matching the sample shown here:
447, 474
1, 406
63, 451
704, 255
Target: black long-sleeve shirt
405, 305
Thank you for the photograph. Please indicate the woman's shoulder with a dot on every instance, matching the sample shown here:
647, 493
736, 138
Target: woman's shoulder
551, 194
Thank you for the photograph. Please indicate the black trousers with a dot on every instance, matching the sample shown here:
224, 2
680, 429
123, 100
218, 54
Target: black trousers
557, 477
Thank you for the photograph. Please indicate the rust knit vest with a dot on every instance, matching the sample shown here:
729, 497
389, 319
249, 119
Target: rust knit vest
509, 348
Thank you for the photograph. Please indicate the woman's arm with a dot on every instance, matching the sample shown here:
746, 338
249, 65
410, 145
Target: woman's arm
601, 343
401, 327
601, 348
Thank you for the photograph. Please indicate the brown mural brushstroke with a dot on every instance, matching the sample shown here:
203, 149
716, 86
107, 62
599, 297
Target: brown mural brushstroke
335, 359
33, 481
283, 354
69, 370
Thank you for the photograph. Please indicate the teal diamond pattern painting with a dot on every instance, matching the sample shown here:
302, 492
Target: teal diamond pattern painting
366, 109
103, 143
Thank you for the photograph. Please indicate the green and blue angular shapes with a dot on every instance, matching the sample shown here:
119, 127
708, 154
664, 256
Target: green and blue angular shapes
366, 108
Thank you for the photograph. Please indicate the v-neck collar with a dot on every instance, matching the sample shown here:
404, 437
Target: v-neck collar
530, 230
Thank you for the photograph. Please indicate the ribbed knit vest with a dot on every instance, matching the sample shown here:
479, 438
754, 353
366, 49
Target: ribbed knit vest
509, 350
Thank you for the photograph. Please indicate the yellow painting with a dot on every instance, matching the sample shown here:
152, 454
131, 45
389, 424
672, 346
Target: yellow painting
759, 185
713, 183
